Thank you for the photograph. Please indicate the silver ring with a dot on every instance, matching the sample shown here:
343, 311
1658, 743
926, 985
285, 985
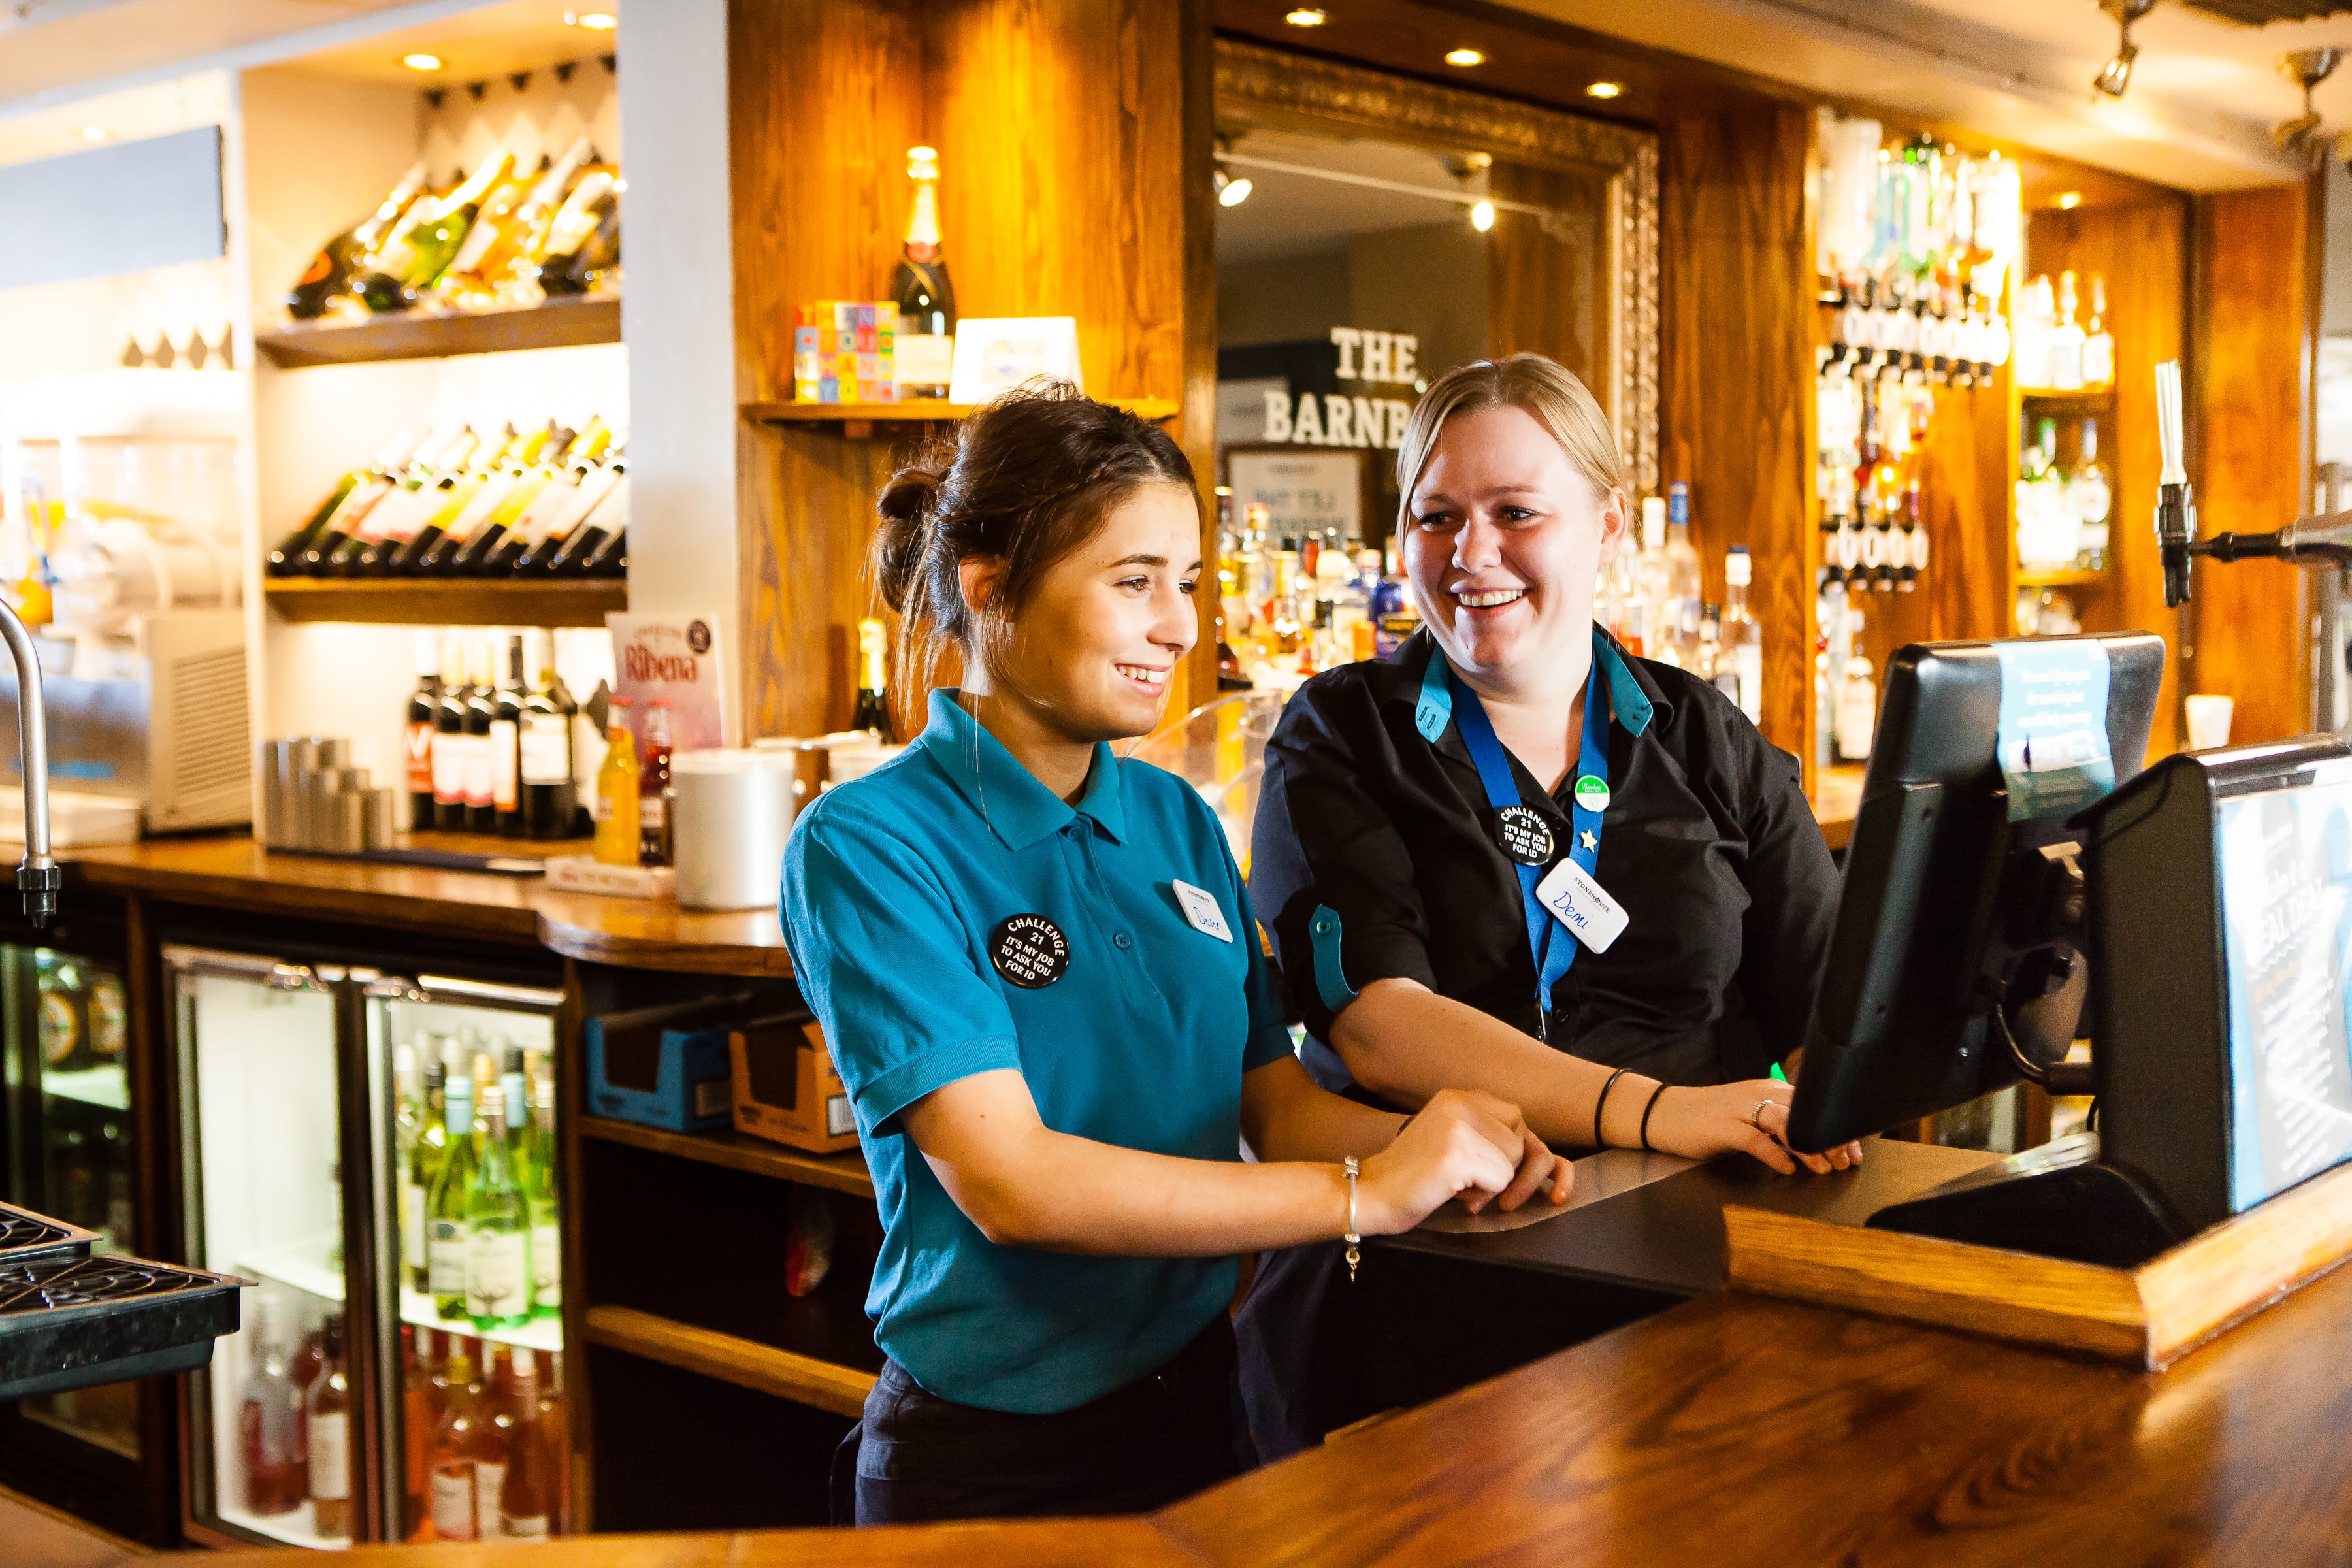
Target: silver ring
1756, 1117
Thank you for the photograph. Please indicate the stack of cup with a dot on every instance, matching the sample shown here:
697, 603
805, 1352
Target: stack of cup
312, 798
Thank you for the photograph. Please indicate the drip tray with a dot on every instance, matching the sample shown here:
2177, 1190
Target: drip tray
70, 1322
26, 1234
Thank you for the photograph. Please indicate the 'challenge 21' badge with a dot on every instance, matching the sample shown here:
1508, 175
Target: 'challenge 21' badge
1029, 951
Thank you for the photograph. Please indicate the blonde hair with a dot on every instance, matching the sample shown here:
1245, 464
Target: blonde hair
1547, 390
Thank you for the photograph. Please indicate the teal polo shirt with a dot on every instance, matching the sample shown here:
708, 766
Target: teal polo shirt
895, 887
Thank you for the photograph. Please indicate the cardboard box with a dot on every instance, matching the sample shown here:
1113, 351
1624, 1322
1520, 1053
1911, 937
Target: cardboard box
662, 1067
786, 1090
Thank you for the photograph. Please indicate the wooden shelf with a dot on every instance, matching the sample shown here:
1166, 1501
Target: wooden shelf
913, 411
843, 1172
803, 1380
447, 601
2066, 579
2078, 400
422, 334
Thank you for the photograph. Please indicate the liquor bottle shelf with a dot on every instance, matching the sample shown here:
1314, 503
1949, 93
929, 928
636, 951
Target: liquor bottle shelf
2068, 578
842, 1172
803, 1380
914, 410
415, 334
447, 601
2069, 399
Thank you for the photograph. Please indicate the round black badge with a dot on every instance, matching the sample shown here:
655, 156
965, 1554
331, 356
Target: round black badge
1029, 949
1524, 835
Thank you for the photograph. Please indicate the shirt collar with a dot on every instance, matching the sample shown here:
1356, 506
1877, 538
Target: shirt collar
1633, 698
1018, 809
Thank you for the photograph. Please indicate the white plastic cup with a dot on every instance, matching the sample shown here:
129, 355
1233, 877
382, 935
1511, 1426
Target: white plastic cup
2208, 722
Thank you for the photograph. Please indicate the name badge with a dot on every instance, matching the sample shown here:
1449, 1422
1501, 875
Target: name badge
1201, 911
1582, 905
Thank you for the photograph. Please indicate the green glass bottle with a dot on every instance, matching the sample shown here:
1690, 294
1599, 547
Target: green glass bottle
425, 1158
498, 1230
546, 1231
444, 1211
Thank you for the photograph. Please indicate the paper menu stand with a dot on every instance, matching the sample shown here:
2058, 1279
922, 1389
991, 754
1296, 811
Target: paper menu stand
680, 659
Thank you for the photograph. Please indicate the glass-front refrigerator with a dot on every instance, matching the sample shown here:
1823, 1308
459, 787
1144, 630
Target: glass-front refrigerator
379, 1151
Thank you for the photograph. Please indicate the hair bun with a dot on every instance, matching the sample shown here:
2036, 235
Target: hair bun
907, 504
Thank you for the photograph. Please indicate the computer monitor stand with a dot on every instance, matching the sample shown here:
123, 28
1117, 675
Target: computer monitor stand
2057, 1201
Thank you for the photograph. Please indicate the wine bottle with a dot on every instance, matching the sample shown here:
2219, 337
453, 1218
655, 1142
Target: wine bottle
402, 511
596, 528
400, 275
353, 495
873, 711
526, 1501
553, 474
449, 743
376, 280
329, 275
444, 1211
423, 714
925, 298
329, 1407
548, 715
498, 1230
554, 508
551, 530
457, 1443
502, 269
585, 239
424, 1165
397, 556
453, 287
506, 733
546, 1223
469, 542
611, 557
481, 707
506, 493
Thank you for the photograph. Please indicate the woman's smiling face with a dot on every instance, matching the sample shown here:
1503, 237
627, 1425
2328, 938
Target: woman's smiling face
1503, 543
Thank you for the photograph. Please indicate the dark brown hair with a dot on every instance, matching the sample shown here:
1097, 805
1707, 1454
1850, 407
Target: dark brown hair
1025, 481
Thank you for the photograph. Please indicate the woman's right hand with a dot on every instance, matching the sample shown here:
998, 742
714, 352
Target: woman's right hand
1462, 1142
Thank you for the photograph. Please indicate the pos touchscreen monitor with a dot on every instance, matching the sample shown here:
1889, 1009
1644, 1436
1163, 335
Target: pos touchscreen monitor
1955, 964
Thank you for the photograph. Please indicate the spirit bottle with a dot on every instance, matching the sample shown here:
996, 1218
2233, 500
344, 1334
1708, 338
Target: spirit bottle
926, 299
2090, 497
654, 790
2066, 340
2098, 344
329, 1421
873, 711
1685, 590
445, 1214
1743, 639
1857, 698
617, 790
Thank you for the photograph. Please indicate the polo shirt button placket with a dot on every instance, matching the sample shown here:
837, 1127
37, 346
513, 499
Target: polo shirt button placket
1120, 940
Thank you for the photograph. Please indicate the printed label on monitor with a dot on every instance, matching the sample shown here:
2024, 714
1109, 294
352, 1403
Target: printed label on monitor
2286, 933
2053, 745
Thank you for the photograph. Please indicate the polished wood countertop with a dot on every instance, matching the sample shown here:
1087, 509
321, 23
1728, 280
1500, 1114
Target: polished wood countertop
639, 933
1731, 1430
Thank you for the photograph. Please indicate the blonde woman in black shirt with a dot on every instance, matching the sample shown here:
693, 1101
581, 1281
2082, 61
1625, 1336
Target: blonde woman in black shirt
1512, 857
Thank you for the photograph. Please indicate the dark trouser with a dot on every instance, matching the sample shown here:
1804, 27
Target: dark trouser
1302, 1370
918, 1458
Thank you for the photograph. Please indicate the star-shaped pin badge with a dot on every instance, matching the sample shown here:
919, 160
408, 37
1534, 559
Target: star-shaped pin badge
1590, 843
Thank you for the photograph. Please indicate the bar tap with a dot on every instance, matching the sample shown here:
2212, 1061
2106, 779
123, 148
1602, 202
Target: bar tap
2325, 540
38, 876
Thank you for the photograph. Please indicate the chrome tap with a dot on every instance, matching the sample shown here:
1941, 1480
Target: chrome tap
2323, 540
38, 876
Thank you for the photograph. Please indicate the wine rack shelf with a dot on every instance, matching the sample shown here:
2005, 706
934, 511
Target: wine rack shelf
804, 1380
558, 323
842, 1172
914, 411
447, 602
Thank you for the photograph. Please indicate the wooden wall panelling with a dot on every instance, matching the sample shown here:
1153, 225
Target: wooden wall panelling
2249, 446
1737, 303
2141, 252
1546, 293
1197, 427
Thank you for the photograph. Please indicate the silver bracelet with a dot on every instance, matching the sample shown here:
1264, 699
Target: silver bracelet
1351, 1237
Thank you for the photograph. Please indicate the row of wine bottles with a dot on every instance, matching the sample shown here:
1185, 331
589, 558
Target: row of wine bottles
505, 236
553, 502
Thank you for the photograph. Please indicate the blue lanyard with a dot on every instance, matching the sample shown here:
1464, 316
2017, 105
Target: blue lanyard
1443, 690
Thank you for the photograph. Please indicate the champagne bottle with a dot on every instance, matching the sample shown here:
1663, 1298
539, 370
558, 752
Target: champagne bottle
873, 711
423, 715
584, 240
919, 288
444, 1215
329, 275
387, 483
555, 509
597, 529
482, 764
498, 1230
548, 715
425, 1159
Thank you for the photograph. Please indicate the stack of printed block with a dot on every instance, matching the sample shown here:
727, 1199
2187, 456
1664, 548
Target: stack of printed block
846, 350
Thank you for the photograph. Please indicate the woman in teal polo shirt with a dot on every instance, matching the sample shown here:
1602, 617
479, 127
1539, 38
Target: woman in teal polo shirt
1042, 981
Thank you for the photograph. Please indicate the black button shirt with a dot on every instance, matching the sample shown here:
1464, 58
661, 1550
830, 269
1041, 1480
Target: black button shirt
1707, 842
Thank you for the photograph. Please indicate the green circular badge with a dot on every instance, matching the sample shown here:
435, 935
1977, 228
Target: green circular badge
1593, 793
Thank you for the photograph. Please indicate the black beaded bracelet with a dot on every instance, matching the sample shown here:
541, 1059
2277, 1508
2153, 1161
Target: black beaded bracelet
1598, 1143
1656, 1095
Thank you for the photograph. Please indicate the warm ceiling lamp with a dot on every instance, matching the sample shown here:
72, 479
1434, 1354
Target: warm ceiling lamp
93, 132
1465, 58
421, 62
1604, 89
1307, 16
2069, 200
597, 21
1482, 216
2115, 76
1232, 192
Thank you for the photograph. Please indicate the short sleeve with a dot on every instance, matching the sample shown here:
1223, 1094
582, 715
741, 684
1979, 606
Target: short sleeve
864, 916
1328, 861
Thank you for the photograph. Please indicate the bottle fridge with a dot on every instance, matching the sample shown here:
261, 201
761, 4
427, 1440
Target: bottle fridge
377, 1149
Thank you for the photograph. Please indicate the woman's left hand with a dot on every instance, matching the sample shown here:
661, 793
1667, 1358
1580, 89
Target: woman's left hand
1751, 1118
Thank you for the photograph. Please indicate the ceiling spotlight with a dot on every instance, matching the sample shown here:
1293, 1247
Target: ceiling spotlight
421, 62
1230, 192
598, 21
1482, 216
1465, 58
2309, 68
1307, 16
1604, 89
2115, 76
93, 132
2069, 200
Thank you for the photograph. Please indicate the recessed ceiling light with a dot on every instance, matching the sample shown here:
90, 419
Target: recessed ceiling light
1482, 216
1604, 89
421, 62
1307, 16
2070, 200
93, 132
1465, 58
601, 21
